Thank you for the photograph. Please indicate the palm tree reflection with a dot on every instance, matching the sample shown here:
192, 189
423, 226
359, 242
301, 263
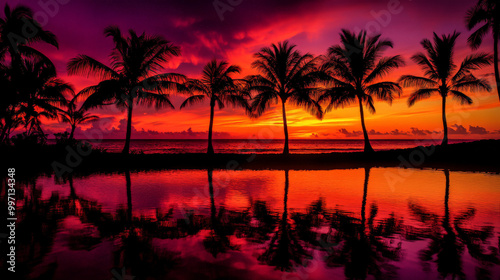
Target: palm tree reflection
136, 251
285, 250
449, 239
221, 226
361, 248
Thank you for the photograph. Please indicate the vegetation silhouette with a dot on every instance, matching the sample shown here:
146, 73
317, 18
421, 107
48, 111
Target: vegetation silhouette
355, 67
449, 239
286, 75
133, 76
217, 85
18, 29
438, 65
27, 78
74, 116
285, 251
485, 13
362, 249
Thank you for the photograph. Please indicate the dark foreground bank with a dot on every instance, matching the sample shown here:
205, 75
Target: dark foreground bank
474, 156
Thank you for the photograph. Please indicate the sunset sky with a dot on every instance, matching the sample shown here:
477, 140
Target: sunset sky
203, 32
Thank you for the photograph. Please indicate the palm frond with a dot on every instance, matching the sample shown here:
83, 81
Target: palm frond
421, 94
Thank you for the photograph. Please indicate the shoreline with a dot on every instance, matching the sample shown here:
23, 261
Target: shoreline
477, 156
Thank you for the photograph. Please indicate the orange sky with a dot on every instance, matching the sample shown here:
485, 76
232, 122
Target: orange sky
202, 35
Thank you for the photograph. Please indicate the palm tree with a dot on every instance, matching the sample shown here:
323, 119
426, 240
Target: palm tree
9, 119
216, 85
15, 37
487, 14
132, 77
286, 75
354, 67
75, 116
41, 93
438, 65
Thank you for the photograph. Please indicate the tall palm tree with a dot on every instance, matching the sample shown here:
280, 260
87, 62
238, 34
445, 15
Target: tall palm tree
18, 28
216, 85
438, 65
41, 93
487, 14
286, 75
75, 116
133, 75
355, 67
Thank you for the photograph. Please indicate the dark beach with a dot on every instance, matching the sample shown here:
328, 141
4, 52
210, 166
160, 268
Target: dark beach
478, 156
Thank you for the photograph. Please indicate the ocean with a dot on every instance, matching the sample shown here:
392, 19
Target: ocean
308, 146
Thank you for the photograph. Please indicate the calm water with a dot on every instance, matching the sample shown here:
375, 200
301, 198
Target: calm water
261, 146
360, 223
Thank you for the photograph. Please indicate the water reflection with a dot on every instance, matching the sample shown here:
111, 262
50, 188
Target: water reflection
222, 225
59, 234
285, 250
364, 246
449, 239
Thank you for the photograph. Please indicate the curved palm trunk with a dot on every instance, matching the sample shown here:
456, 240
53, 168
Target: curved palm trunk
210, 149
286, 150
71, 136
126, 149
445, 125
495, 61
368, 146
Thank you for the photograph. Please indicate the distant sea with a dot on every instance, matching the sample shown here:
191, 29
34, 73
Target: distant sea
308, 146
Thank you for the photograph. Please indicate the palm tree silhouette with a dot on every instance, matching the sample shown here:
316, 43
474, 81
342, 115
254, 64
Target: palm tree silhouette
285, 250
75, 116
41, 93
362, 249
354, 68
15, 41
448, 239
216, 85
9, 117
286, 75
487, 14
439, 66
132, 77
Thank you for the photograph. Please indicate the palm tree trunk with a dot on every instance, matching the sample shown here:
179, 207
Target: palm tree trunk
72, 132
129, 129
445, 125
286, 150
495, 61
368, 146
210, 149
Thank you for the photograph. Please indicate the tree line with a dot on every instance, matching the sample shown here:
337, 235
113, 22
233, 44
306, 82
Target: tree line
351, 72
